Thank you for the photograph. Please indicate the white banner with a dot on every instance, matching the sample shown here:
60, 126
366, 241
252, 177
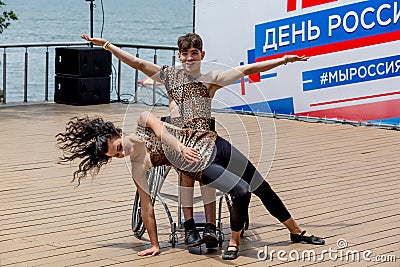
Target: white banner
353, 73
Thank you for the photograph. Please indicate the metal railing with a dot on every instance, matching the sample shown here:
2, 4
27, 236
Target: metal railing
139, 47
27, 46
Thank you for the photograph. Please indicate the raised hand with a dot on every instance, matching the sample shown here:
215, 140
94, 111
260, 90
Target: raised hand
294, 58
95, 41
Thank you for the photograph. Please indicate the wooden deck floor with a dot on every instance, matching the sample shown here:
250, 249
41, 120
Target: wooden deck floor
338, 181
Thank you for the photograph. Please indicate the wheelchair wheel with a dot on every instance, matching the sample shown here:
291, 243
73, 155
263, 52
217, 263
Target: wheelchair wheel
221, 237
137, 223
173, 239
155, 178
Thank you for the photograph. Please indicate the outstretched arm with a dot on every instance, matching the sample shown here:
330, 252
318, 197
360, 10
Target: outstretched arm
224, 78
150, 120
147, 209
147, 67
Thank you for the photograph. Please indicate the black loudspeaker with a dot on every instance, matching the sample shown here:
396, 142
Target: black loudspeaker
81, 91
82, 76
83, 61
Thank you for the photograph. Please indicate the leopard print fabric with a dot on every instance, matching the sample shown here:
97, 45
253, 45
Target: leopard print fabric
162, 154
153, 145
191, 96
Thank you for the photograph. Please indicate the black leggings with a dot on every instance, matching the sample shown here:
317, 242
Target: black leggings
231, 172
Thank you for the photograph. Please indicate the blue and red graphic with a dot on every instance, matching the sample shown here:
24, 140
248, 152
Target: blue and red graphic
327, 31
292, 4
387, 110
334, 30
357, 72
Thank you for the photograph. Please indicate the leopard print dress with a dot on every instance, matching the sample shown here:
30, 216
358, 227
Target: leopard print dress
194, 103
191, 96
162, 154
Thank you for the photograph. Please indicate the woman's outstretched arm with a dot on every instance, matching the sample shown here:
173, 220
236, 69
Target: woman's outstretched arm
150, 120
147, 67
139, 169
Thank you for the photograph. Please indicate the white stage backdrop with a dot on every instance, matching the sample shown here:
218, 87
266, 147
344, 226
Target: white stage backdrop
353, 72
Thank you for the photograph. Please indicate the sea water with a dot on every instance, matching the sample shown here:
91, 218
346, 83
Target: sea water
140, 22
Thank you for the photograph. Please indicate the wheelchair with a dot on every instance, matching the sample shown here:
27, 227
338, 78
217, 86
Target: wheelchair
155, 178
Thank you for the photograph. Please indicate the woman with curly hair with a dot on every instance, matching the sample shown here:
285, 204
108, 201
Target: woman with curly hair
202, 155
95, 142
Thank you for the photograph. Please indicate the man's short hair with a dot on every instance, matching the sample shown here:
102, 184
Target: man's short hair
190, 40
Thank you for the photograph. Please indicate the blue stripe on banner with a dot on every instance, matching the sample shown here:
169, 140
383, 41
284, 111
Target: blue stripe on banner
265, 76
358, 72
270, 75
325, 27
395, 121
251, 56
279, 106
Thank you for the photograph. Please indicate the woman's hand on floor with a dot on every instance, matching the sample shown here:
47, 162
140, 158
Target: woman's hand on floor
153, 251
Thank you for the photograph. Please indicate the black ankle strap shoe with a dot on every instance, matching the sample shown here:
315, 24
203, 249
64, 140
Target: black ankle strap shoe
297, 238
230, 253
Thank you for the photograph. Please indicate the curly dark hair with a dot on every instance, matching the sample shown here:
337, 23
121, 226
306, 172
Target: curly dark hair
86, 139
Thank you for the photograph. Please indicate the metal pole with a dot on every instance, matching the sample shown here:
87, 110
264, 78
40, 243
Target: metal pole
179, 201
4, 76
136, 79
194, 15
91, 20
119, 81
46, 85
154, 82
173, 59
26, 77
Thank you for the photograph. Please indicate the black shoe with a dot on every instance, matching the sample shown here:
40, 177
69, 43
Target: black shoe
297, 238
192, 238
210, 236
230, 254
